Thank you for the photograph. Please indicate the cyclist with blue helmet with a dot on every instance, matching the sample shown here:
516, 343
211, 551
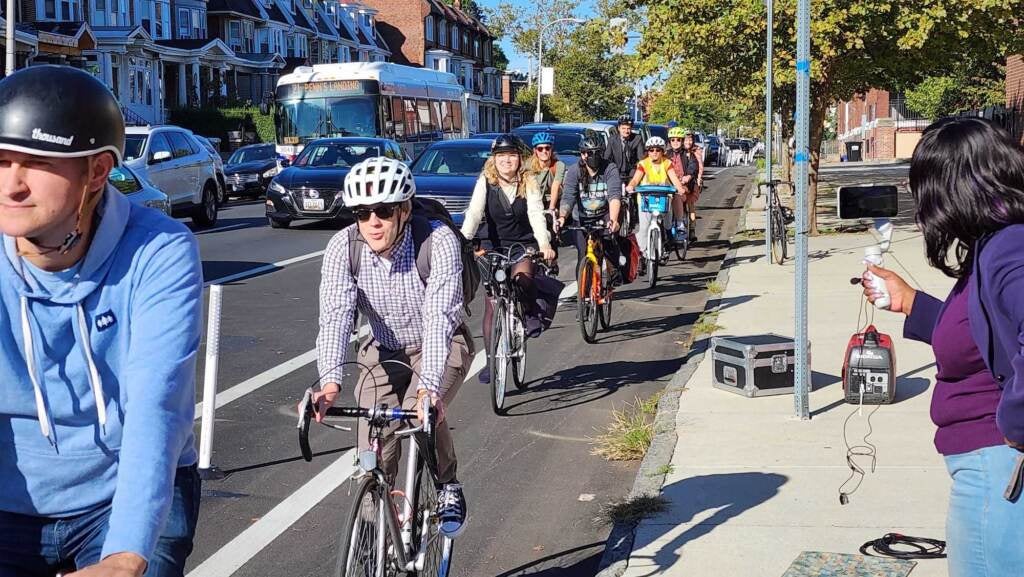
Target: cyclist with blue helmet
550, 173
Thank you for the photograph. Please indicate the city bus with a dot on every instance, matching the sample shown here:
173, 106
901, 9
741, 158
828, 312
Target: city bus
413, 106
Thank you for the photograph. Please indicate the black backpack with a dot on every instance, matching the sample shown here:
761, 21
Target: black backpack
425, 210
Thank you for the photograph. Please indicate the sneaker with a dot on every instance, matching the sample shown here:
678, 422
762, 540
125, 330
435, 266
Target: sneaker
485, 375
693, 235
451, 510
533, 326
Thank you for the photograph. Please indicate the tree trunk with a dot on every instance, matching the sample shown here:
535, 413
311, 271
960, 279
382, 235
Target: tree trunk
817, 128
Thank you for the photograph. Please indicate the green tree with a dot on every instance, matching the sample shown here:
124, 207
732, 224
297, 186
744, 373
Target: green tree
855, 45
500, 59
469, 7
938, 96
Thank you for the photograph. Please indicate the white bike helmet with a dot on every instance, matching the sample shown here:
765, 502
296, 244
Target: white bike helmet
655, 142
378, 180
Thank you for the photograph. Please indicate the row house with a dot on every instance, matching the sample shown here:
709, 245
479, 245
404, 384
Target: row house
441, 36
160, 54
876, 125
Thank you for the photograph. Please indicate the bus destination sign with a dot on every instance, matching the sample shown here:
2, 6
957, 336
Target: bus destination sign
327, 88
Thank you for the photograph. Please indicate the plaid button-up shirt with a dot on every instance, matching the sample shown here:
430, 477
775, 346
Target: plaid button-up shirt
402, 312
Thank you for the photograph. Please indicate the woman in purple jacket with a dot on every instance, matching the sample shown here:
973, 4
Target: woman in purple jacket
967, 177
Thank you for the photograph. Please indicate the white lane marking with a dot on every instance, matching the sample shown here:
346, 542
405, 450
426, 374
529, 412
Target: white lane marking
569, 292
237, 552
265, 268
270, 375
221, 229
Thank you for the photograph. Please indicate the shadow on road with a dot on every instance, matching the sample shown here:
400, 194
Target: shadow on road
575, 562
242, 469
578, 385
728, 495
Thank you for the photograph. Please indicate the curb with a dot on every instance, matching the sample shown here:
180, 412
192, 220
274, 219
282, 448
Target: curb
649, 480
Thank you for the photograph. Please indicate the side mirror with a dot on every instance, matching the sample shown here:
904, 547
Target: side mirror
160, 156
285, 163
857, 202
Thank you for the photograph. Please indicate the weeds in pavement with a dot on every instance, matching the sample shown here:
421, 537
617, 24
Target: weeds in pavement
634, 510
706, 324
714, 288
666, 469
630, 433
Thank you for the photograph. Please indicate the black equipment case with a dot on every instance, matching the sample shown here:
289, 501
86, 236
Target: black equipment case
754, 366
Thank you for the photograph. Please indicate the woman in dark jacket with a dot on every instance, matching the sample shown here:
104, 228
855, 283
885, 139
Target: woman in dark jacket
967, 177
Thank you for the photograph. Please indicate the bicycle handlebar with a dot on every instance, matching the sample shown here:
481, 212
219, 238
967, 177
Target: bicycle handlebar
772, 185
655, 189
381, 415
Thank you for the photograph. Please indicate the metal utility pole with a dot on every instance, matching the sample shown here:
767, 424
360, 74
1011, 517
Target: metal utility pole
538, 116
10, 19
801, 398
769, 81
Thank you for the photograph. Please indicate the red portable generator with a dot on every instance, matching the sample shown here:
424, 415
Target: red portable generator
869, 371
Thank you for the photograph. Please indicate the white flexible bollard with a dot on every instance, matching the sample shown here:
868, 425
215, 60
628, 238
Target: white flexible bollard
206, 469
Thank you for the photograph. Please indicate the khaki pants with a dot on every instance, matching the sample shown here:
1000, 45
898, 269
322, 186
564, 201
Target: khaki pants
394, 384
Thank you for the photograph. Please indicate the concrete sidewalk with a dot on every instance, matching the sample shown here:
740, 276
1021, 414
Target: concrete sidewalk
751, 487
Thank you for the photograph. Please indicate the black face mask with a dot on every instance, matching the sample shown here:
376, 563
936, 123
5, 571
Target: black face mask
593, 161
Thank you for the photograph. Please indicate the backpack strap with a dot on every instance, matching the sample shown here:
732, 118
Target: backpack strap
355, 251
421, 240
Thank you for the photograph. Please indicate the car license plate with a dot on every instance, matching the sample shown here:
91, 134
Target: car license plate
313, 204
237, 187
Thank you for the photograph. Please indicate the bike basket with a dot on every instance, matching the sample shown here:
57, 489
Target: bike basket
649, 203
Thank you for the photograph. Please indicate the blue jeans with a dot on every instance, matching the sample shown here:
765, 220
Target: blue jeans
984, 531
41, 546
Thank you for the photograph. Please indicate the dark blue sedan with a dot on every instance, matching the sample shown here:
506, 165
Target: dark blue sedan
447, 171
311, 187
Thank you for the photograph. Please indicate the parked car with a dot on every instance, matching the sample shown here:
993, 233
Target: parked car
659, 130
487, 135
310, 188
174, 161
137, 190
713, 152
567, 137
214, 149
250, 169
448, 170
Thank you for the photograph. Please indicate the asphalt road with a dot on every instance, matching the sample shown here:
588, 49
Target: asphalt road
535, 492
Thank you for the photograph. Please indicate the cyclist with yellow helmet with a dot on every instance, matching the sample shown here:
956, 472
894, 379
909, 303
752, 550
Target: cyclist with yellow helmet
656, 169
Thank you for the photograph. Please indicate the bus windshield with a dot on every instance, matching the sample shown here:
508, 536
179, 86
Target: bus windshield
304, 120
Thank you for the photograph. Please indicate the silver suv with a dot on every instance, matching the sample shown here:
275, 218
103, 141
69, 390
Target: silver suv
176, 163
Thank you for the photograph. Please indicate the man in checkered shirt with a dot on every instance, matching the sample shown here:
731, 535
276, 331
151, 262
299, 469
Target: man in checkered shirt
415, 321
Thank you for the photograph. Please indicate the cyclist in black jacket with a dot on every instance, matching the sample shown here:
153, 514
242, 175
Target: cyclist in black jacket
624, 151
592, 191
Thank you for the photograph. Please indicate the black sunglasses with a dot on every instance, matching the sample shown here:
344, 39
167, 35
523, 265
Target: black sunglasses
383, 212
653, 148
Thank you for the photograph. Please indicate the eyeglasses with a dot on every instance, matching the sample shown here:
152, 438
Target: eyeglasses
542, 148
383, 212
652, 149
675, 139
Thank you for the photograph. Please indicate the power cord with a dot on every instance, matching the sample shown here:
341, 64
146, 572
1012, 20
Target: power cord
920, 547
866, 448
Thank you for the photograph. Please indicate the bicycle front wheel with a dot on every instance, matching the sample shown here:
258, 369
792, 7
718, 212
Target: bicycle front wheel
779, 240
518, 352
587, 301
436, 548
654, 257
498, 357
604, 312
364, 546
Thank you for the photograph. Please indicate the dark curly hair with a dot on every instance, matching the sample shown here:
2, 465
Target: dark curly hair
967, 177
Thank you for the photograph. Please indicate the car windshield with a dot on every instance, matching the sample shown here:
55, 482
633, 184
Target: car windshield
566, 142
134, 144
336, 155
252, 154
462, 160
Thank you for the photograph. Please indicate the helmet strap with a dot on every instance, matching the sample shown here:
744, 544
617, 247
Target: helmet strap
86, 205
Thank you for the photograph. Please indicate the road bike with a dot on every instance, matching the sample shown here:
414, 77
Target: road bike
508, 321
390, 531
780, 216
654, 199
594, 280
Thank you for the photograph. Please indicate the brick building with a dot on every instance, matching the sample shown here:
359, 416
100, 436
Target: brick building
1015, 94
876, 125
434, 34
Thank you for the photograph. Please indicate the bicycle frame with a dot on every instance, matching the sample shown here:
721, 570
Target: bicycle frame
595, 254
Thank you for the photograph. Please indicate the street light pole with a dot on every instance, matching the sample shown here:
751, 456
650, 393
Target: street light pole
768, 84
10, 18
538, 116
802, 385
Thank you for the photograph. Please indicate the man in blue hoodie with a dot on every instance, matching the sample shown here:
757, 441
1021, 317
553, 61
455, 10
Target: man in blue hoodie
100, 302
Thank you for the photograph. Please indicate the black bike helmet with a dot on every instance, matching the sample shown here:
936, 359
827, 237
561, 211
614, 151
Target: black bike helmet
592, 145
61, 112
625, 119
506, 143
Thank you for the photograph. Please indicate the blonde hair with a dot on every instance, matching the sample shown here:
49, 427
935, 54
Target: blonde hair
490, 172
537, 167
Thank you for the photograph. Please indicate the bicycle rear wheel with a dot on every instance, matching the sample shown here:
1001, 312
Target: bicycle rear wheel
654, 257
364, 545
498, 357
779, 240
517, 351
587, 302
436, 548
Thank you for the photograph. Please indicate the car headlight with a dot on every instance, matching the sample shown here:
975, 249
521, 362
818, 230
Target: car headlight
270, 173
276, 187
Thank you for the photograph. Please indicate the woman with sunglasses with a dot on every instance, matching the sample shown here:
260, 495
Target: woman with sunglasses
550, 173
509, 203
688, 164
656, 169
